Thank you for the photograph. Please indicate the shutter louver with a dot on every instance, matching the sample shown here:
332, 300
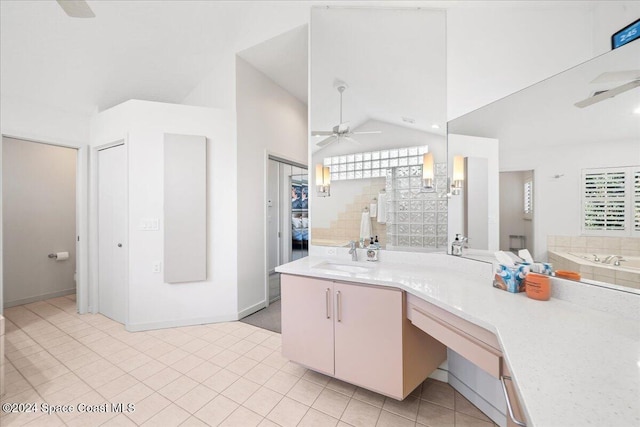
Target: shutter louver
636, 200
605, 200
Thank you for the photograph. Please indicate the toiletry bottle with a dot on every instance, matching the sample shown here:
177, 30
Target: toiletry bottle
376, 243
456, 246
371, 241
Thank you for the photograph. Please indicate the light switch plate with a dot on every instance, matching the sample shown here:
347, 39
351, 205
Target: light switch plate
150, 224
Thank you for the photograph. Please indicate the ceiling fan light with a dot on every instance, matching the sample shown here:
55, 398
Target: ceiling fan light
76, 8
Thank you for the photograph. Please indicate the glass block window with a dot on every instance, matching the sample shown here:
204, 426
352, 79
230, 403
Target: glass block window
373, 163
415, 218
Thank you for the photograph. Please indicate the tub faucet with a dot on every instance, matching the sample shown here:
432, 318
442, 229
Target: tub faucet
353, 251
610, 257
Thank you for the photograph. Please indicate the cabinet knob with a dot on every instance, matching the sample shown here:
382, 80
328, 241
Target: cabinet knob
119, 245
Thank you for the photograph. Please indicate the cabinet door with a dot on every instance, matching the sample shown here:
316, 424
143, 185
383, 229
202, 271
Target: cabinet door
307, 322
368, 337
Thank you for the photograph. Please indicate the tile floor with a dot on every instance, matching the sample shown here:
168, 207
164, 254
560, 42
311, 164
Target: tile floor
228, 374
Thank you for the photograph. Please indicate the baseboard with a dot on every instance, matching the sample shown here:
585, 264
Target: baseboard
42, 297
487, 408
138, 327
250, 310
440, 375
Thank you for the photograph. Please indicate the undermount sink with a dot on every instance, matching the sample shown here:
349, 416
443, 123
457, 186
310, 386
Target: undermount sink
347, 267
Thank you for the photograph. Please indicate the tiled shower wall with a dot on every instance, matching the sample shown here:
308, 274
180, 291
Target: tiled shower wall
347, 226
416, 218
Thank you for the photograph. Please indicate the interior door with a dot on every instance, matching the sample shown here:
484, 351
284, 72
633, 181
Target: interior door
112, 233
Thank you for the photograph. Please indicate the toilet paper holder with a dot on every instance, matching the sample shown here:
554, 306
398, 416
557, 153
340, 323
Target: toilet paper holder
59, 256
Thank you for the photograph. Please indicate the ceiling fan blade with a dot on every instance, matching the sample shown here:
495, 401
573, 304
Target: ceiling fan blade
349, 139
76, 8
366, 132
327, 141
601, 96
321, 133
617, 76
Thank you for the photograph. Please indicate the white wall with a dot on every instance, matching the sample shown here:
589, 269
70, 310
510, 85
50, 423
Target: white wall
153, 303
38, 122
472, 146
270, 121
551, 192
326, 209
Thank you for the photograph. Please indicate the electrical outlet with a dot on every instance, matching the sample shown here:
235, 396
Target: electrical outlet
157, 267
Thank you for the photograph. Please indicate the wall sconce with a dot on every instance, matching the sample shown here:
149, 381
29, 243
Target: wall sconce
458, 175
427, 172
323, 180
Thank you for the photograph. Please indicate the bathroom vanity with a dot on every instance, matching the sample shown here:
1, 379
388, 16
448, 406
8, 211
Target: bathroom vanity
356, 333
561, 362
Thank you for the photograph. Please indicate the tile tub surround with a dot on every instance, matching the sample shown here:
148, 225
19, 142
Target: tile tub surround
583, 350
606, 273
228, 374
595, 245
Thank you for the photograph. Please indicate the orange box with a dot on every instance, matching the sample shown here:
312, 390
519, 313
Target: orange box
538, 286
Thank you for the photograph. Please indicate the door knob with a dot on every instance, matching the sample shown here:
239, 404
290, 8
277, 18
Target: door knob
119, 245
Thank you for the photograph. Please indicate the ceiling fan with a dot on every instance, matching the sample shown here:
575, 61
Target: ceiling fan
340, 132
605, 80
76, 8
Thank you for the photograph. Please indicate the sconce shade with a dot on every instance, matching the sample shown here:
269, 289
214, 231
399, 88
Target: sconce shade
427, 166
458, 169
323, 180
319, 174
427, 171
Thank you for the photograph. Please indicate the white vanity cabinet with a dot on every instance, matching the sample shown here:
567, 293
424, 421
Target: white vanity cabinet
356, 333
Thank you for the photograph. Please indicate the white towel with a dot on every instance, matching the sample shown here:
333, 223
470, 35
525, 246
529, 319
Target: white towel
373, 210
382, 208
365, 226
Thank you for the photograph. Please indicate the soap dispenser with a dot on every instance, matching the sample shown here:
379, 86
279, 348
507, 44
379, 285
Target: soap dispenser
456, 246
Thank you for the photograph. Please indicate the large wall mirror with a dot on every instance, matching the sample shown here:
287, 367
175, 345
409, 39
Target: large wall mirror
377, 110
562, 171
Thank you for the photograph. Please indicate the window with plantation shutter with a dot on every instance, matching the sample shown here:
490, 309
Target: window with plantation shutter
636, 201
611, 201
528, 197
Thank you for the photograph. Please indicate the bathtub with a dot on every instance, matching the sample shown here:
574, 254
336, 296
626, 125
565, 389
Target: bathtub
626, 274
631, 263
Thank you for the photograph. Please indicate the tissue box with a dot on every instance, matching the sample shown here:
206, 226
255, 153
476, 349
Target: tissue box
511, 279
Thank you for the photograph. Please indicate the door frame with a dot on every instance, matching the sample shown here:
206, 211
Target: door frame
278, 157
82, 241
94, 261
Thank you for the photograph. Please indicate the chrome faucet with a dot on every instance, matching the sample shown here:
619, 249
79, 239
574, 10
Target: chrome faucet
595, 258
353, 251
617, 258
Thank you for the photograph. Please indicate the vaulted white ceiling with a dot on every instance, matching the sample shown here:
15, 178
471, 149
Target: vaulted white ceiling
152, 50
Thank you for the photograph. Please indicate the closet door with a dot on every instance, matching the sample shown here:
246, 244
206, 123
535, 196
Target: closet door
112, 232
